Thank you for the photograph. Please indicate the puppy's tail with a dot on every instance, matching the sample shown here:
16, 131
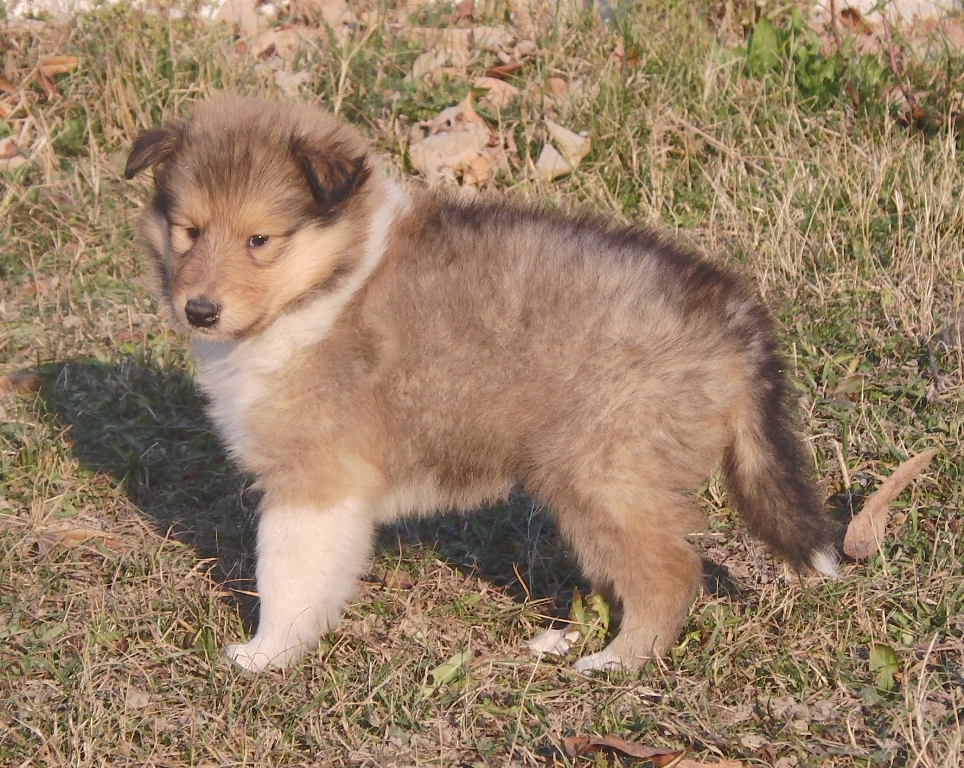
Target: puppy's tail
768, 471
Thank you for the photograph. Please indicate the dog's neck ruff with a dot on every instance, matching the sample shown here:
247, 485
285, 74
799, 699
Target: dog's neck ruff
272, 348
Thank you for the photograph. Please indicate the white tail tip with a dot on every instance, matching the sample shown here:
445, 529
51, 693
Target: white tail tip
824, 561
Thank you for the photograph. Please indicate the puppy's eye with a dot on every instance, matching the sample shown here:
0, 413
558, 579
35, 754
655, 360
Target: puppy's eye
256, 241
193, 232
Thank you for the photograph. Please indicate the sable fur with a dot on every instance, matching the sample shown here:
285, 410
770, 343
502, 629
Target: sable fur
382, 355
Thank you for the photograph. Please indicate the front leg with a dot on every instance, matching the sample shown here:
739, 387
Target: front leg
309, 562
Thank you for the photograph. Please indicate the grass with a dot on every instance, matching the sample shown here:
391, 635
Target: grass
125, 535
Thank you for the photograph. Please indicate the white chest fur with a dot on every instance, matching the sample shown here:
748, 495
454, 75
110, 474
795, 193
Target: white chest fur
234, 377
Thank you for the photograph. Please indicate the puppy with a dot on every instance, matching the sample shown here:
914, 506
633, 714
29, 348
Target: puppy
369, 355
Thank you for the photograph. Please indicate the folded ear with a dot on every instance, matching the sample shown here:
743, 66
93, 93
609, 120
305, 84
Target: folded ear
332, 172
151, 148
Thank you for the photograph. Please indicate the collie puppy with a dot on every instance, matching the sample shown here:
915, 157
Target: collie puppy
369, 354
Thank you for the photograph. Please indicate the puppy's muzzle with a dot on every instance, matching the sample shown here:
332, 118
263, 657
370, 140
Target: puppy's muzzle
202, 312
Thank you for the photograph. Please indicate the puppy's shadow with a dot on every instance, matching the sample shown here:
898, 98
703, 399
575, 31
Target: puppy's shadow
514, 546
144, 426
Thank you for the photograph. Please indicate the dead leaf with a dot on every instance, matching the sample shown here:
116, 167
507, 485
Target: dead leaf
12, 163
502, 71
67, 533
500, 147
454, 41
457, 143
448, 153
135, 699
573, 146
8, 148
577, 745
557, 86
394, 578
57, 65
852, 19
432, 66
463, 10
48, 84
451, 118
849, 385
953, 30
126, 336
499, 93
525, 48
661, 758
43, 284
478, 171
448, 52
241, 15
19, 383
289, 83
278, 42
753, 741
866, 531
333, 12
6, 85
492, 39
551, 165
521, 16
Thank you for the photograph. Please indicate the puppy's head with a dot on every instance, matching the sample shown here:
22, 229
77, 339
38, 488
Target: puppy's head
257, 207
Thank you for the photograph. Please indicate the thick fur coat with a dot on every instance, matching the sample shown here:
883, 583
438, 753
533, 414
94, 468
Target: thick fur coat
370, 354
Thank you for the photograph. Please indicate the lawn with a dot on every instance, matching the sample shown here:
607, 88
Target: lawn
827, 166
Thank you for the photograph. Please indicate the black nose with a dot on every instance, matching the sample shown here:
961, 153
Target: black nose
202, 312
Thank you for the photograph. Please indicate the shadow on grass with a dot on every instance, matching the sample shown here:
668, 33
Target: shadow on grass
144, 426
514, 546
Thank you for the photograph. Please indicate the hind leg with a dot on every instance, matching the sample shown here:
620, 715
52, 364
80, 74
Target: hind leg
632, 545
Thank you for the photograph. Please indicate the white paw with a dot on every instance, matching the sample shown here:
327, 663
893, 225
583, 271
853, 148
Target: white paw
254, 657
603, 661
555, 642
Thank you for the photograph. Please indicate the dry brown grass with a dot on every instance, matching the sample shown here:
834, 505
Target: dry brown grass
125, 536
